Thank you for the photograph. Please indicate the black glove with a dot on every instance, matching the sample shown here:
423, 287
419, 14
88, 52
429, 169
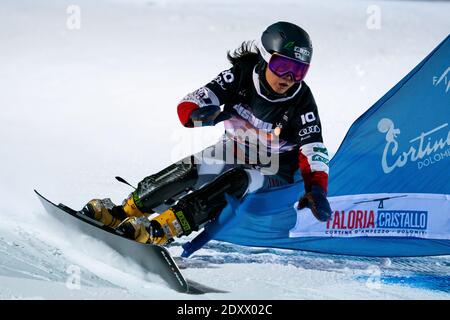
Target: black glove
208, 116
316, 200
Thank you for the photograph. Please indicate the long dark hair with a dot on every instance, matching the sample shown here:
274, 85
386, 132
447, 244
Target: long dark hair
247, 52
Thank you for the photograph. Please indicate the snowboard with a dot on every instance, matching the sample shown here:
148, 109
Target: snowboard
153, 258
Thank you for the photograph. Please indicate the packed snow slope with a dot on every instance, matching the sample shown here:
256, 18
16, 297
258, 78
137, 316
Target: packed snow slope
82, 105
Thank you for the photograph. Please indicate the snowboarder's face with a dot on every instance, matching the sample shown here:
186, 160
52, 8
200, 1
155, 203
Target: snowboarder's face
279, 85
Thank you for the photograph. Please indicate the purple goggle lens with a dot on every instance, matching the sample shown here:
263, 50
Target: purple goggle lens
281, 65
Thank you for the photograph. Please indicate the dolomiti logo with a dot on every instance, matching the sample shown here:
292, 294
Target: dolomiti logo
425, 149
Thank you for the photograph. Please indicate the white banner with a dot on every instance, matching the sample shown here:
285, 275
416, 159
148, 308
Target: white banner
380, 215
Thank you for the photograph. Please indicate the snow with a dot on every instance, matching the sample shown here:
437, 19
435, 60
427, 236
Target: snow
79, 107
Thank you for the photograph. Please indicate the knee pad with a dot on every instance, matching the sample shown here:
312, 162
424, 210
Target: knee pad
205, 203
166, 184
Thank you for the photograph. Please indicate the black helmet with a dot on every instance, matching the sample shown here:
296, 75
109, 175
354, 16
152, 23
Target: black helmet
287, 39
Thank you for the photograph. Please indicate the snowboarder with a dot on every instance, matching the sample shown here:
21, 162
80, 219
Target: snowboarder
266, 107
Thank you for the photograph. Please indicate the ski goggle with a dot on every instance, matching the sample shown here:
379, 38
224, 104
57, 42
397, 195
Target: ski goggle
282, 65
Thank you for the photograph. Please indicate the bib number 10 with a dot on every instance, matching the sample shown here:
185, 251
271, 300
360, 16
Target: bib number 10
308, 117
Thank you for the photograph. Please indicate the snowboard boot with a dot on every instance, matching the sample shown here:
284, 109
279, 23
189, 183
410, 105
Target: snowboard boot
131, 209
160, 231
104, 211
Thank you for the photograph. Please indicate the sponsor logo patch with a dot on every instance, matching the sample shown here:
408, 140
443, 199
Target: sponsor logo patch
137, 200
308, 130
317, 157
184, 223
303, 54
201, 95
250, 117
321, 150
